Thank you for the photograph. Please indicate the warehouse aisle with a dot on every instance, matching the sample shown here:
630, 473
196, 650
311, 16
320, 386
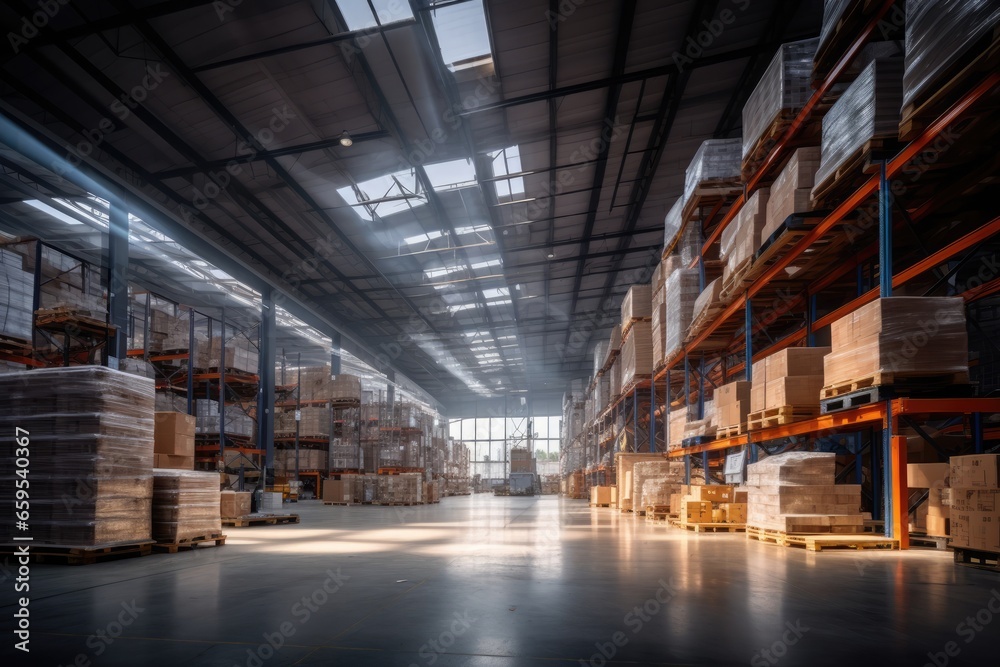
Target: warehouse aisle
508, 582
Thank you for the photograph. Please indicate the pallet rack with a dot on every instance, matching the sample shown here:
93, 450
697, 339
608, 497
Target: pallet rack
703, 361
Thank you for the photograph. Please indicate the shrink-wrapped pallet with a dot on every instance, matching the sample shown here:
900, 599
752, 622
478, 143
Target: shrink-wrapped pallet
403, 489
781, 92
208, 418
791, 191
741, 239
716, 163
899, 337
600, 354
654, 481
696, 427
657, 328
637, 353
708, 301
672, 224
17, 289
677, 422
186, 505
89, 434
938, 34
616, 378
681, 291
624, 470
833, 12
796, 492
636, 304
868, 110
315, 421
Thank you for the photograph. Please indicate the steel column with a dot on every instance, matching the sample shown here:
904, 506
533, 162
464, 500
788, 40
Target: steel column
190, 362
335, 355
265, 396
876, 477
748, 335
884, 233
652, 416
222, 382
117, 277
977, 431
810, 318
298, 409
704, 466
687, 469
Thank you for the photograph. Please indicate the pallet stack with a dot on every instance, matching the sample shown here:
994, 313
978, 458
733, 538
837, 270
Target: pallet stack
786, 386
918, 343
681, 291
235, 354
17, 291
975, 507
186, 506
402, 489
89, 431
710, 507
603, 496
740, 240
732, 406
653, 482
238, 423
791, 192
796, 492
931, 518
624, 464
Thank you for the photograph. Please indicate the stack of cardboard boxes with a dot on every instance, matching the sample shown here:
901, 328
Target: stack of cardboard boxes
624, 463
173, 444
732, 405
186, 505
786, 386
653, 482
791, 191
796, 492
715, 503
234, 504
975, 502
601, 496
898, 337
931, 517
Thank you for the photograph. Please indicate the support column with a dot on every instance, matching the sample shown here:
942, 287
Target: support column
900, 516
704, 466
889, 484
335, 354
652, 416
266, 366
222, 381
117, 278
748, 336
635, 418
977, 431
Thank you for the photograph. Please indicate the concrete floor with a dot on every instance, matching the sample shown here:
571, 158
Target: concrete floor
508, 582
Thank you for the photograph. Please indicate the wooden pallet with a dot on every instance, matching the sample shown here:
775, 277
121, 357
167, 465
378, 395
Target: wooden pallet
984, 560
977, 61
735, 281
780, 416
898, 382
769, 138
627, 326
709, 194
821, 541
932, 541
15, 346
59, 320
709, 527
84, 555
730, 431
704, 320
634, 382
330, 502
260, 520
218, 539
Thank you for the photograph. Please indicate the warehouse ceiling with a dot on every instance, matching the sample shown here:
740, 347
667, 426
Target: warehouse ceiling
510, 163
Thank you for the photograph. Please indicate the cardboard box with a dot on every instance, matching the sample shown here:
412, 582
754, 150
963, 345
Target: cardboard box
173, 434
600, 495
796, 390
927, 475
234, 504
938, 526
696, 511
734, 512
740, 496
796, 361
716, 493
173, 462
976, 530
729, 394
976, 471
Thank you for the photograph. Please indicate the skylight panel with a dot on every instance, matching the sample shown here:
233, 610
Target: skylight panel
505, 162
358, 14
462, 34
493, 293
461, 307
383, 195
452, 174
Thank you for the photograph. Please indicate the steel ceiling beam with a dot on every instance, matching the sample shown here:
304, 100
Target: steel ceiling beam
624, 33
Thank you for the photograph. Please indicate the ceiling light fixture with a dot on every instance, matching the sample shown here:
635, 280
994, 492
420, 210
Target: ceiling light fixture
345, 139
551, 255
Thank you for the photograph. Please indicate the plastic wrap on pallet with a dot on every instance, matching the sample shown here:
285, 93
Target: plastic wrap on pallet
656, 330
868, 109
702, 427
314, 421
681, 291
636, 303
938, 33
637, 352
672, 223
709, 297
402, 489
689, 245
207, 413
715, 160
797, 492
678, 418
600, 354
616, 378
654, 481
186, 505
899, 336
17, 289
89, 431
833, 10
791, 191
784, 88
238, 355
741, 239
616, 339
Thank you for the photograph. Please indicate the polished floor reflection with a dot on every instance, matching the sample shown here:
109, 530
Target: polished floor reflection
509, 582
